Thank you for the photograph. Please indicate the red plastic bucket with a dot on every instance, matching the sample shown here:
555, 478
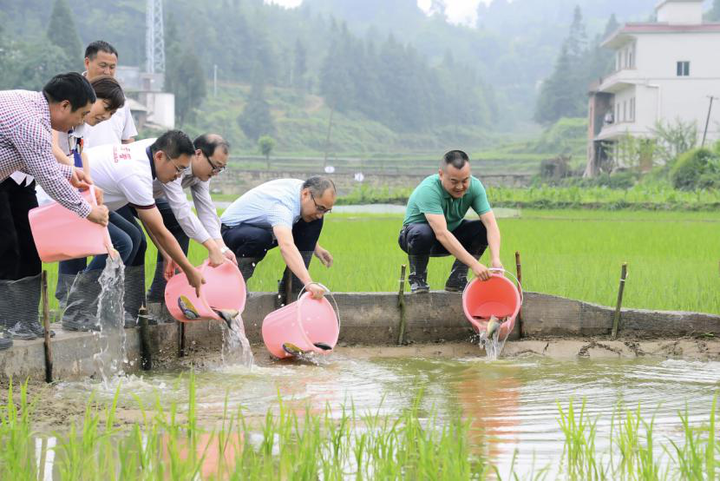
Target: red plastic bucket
302, 323
60, 235
224, 289
497, 296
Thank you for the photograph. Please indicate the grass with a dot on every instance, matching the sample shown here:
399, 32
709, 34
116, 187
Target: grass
672, 257
170, 443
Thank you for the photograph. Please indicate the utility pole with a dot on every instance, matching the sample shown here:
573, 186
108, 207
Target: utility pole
707, 121
154, 37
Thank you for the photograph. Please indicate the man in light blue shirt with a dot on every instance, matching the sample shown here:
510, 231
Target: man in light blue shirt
287, 213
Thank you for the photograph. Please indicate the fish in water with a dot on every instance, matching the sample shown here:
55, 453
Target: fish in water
292, 349
227, 315
493, 325
188, 309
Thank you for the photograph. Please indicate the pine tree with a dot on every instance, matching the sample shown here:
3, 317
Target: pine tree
62, 32
299, 66
255, 119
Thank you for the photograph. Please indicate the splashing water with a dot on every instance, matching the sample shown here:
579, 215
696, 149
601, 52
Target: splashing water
111, 317
236, 344
492, 344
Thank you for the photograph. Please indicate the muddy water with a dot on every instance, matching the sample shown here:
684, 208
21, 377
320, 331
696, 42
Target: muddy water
511, 404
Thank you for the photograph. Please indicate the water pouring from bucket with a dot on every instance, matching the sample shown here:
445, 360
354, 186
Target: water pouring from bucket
222, 297
491, 307
306, 326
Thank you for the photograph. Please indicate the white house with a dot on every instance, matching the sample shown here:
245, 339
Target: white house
664, 71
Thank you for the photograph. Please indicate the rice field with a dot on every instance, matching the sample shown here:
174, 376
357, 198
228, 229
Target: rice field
673, 257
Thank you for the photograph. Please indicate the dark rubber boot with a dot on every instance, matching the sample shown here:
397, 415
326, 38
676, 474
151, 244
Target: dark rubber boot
418, 274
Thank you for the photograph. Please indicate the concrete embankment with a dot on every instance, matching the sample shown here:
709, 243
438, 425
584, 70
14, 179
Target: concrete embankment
435, 324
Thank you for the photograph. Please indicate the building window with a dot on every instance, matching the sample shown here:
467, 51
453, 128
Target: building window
683, 69
631, 57
632, 109
625, 117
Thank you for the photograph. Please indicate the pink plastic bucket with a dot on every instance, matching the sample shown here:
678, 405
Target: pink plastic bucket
497, 296
60, 235
303, 323
224, 289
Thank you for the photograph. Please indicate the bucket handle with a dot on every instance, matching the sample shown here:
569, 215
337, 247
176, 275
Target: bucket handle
337, 309
505, 272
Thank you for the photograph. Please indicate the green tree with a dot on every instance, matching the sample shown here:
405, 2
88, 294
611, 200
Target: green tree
255, 119
714, 14
185, 78
266, 144
299, 66
62, 32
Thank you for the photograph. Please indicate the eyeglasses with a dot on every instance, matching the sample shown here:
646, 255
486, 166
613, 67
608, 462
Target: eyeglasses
215, 168
178, 169
320, 208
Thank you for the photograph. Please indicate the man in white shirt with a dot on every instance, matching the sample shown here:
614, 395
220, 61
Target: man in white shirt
101, 58
285, 213
126, 173
211, 157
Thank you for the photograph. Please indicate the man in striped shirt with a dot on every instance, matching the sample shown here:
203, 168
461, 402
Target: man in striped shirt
26, 120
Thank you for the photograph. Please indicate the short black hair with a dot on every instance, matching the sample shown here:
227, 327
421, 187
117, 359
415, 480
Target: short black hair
318, 185
99, 46
209, 143
456, 158
72, 87
109, 90
174, 143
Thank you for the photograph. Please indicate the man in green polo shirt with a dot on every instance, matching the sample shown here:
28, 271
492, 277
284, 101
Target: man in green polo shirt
435, 225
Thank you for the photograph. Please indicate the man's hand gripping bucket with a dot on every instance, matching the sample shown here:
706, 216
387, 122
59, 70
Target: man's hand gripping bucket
305, 326
497, 297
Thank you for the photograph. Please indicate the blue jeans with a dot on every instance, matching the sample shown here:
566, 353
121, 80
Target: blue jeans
126, 237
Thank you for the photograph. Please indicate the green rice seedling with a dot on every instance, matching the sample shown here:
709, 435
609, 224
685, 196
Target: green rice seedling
16, 437
579, 453
695, 458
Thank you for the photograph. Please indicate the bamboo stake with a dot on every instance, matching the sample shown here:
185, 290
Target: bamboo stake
46, 325
518, 274
616, 320
181, 339
401, 306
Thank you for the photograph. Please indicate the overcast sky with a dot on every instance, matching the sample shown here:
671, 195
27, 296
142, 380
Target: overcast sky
458, 11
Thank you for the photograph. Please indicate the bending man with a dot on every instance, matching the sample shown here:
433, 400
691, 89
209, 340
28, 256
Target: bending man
287, 213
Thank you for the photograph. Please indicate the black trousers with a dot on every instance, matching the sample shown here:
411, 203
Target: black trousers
247, 240
129, 214
157, 288
18, 256
420, 240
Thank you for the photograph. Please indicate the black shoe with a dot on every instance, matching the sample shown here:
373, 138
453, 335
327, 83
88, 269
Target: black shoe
75, 326
22, 331
418, 274
39, 330
5, 343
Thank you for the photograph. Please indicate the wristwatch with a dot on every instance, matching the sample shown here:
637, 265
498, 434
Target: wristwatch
224, 249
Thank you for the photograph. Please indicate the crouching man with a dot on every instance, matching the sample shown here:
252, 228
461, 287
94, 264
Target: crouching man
287, 213
435, 225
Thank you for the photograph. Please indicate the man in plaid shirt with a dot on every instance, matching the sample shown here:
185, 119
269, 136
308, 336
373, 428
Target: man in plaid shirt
26, 120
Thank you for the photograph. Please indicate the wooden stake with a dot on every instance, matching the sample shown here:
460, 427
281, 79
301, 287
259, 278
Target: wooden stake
518, 274
288, 286
181, 339
145, 352
616, 320
46, 325
401, 306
